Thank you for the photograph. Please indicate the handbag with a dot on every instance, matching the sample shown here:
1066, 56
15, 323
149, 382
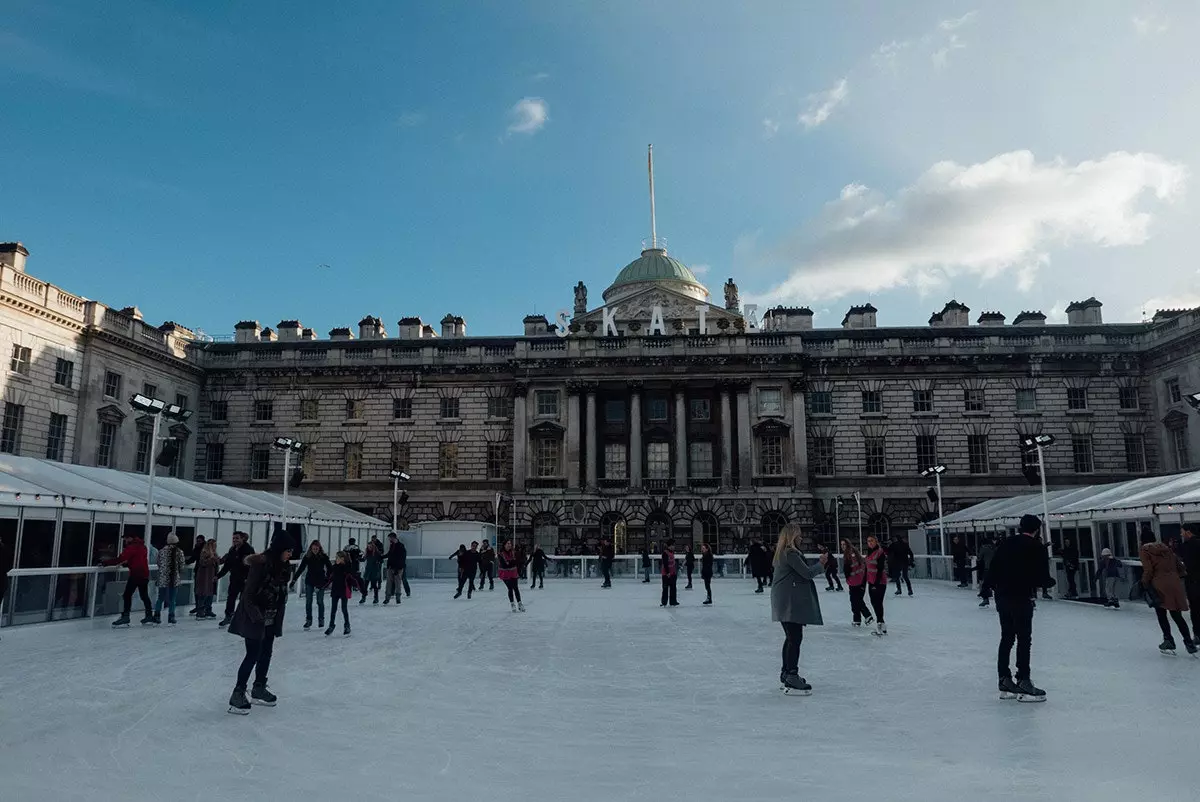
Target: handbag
1152, 597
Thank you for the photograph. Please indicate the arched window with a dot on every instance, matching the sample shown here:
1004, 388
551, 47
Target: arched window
772, 523
658, 528
612, 528
881, 527
705, 530
545, 531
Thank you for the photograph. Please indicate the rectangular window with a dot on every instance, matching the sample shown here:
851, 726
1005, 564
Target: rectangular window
820, 402
112, 384
876, 455
1029, 457
218, 410
260, 463
500, 407
700, 460
21, 358
922, 400
181, 400
822, 456
1183, 457
1081, 452
356, 408
150, 390
400, 456
1173, 394
1077, 398
658, 460
974, 401
872, 402
699, 409
401, 408
141, 460
56, 438
615, 461
1130, 398
657, 409
449, 408
546, 403
927, 455
106, 445
264, 410
64, 372
1027, 400
770, 455
1135, 453
614, 410
499, 460
214, 462
546, 457
352, 461
310, 409
977, 453
770, 401
10, 434
308, 461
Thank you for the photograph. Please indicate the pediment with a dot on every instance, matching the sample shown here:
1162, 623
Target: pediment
548, 428
771, 426
111, 413
639, 306
1175, 420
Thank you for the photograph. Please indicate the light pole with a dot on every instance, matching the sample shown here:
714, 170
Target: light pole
156, 408
288, 446
1038, 442
397, 478
858, 504
837, 520
936, 472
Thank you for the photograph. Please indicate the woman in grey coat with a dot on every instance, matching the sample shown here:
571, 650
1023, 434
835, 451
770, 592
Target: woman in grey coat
794, 604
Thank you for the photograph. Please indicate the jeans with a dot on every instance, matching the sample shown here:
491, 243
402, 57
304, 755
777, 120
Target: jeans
140, 585
166, 595
539, 575
858, 605
689, 576
337, 597
1177, 617
1108, 588
876, 593
646, 572
606, 571
668, 589
258, 658
396, 581
901, 575
1016, 625
235, 590
514, 590
793, 637
309, 592
831, 574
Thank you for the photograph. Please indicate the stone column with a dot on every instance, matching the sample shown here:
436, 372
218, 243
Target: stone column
520, 467
799, 434
590, 442
635, 437
681, 471
745, 441
572, 424
726, 440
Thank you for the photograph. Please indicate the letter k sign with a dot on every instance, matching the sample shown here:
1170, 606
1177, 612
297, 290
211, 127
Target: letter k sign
610, 321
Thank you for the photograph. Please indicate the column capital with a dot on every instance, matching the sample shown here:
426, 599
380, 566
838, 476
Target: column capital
634, 385
520, 389
799, 384
575, 387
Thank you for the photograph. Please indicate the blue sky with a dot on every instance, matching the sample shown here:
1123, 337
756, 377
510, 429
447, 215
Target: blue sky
201, 160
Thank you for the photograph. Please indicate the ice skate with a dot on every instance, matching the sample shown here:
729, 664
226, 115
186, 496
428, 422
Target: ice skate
239, 705
910, 593
794, 685
1046, 595
151, 618
171, 620
1028, 692
456, 595
259, 695
308, 623
346, 631
386, 600
520, 607
123, 621
869, 620
707, 601
985, 603
857, 624
329, 630
1116, 605
1167, 647
1191, 647
224, 622
829, 588
880, 629
513, 605
363, 600
1008, 688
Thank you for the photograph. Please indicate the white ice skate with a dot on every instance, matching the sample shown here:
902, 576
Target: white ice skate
880, 629
514, 606
520, 607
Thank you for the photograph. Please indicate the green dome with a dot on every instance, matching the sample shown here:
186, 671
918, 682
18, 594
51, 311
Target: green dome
655, 265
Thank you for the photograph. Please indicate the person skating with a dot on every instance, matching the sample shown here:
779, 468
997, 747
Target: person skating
831, 568
6, 559
234, 564
1016, 572
794, 604
962, 561
537, 568
1108, 574
192, 558
522, 560
315, 567
1189, 552
135, 557
855, 569
607, 556
397, 567
354, 556
510, 574
900, 560
1049, 571
486, 561
987, 550
706, 570
372, 571
468, 563
757, 558
1070, 560
206, 580
670, 575
1162, 579
259, 620
170, 575
341, 583
647, 563
689, 565
877, 581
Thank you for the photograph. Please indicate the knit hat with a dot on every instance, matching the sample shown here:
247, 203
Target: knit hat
172, 539
280, 542
1030, 523
1106, 552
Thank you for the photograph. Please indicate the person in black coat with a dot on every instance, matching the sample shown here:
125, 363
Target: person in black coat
706, 571
900, 559
647, 563
197, 548
1189, 553
314, 566
689, 565
485, 561
1070, 559
468, 564
259, 620
537, 564
831, 569
342, 583
234, 564
607, 556
397, 569
757, 559
962, 561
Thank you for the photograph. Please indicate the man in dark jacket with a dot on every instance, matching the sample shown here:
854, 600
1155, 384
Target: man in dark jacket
647, 564
354, 552
537, 565
1189, 552
607, 555
962, 562
136, 557
234, 564
197, 547
1018, 569
757, 558
485, 558
468, 564
900, 559
670, 574
397, 565
1070, 559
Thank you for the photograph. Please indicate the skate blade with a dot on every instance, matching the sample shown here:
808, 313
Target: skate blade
796, 692
237, 711
262, 703
1031, 699
1168, 652
1006, 696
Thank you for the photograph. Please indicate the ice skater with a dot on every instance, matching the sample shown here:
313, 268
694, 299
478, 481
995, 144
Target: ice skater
1016, 572
607, 556
1162, 580
986, 552
962, 561
877, 581
372, 571
486, 560
206, 580
135, 557
689, 565
670, 575
1070, 560
831, 568
468, 563
170, 575
647, 562
315, 567
397, 569
192, 558
855, 569
1189, 552
706, 570
342, 582
259, 620
354, 556
900, 560
510, 575
234, 564
537, 568
757, 558
1108, 573
794, 604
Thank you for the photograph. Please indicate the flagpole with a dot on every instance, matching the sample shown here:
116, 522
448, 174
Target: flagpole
650, 169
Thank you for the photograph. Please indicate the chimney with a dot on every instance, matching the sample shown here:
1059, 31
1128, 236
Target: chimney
1161, 315
13, 254
289, 330
410, 328
308, 334
268, 336
991, 319
1029, 319
246, 332
1084, 313
953, 314
340, 334
427, 332
789, 318
536, 326
173, 329
371, 328
860, 317
454, 326
133, 312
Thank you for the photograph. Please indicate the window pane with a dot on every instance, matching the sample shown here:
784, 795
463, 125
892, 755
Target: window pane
219, 410
657, 409
614, 410
547, 403
822, 456
973, 401
260, 462
820, 402
658, 461
700, 459
546, 460
699, 409
770, 401
1076, 398
353, 457
771, 455
926, 452
1135, 453
73, 551
112, 384
1130, 398
1081, 447
264, 410
876, 456
872, 402
10, 433
615, 461
401, 407
56, 437
499, 460
922, 401
1027, 400
64, 372
977, 453
449, 408
214, 462
141, 461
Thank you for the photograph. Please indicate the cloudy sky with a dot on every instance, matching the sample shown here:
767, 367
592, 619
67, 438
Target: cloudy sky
224, 161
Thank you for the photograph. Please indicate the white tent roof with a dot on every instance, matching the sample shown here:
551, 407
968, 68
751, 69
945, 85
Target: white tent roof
28, 482
1166, 497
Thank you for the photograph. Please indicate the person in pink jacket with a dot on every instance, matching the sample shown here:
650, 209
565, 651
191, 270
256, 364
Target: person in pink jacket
877, 581
509, 574
855, 569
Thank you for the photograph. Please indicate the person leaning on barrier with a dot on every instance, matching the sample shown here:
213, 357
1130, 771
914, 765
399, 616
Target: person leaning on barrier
234, 564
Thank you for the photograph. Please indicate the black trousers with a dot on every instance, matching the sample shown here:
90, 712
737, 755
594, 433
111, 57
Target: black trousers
901, 575
485, 573
762, 580
258, 659
857, 604
877, 593
371, 584
140, 585
707, 586
469, 580
668, 589
606, 571
1071, 589
831, 574
689, 570
1177, 617
1016, 626
235, 590
514, 590
339, 598
1191, 584
793, 637
538, 575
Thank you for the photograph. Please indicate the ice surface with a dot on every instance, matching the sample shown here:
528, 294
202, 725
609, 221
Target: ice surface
601, 695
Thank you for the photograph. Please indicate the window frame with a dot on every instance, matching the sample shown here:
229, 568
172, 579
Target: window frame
214, 455
1083, 444
1127, 392
352, 462
400, 456
614, 467
220, 406
22, 359
142, 452
449, 405
499, 460
771, 455
260, 463
500, 407
106, 447
875, 456
547, 457
111, 378
447, 461
310, 409
61, 367
872, 398
926, 440
922, 401
1181, 447
356, 409
1030, 393
820, 402
658, 459
1135, 456
974, 442
402, 408
1077, 399
266, 405
974, 400
11, 428
767, 408
655, 402
1174, 393
552, 407
59, 437
695, 459
699, 409
823, 454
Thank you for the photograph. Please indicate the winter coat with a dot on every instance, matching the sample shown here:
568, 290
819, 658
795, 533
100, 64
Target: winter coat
1164, 571
900, 556
607, 552
315, 568
1070, 558
1108, 566
960, 554
508, 565
197, 550
468, 561
1189, 552
355, 555
342, 581
538, 559
485, 557
877, 567
668, 563
397, 557
793, 593
689, 560
373, 565
986, 553
759, 561
855, 570
234, 563
263, 601
1018, 568
135, 557
646, 557
206, 575
831, 563
170, 567
706, 565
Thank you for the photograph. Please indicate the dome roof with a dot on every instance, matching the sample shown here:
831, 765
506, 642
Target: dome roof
655, 265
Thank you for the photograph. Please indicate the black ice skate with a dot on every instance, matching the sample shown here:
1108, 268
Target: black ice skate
239, 705
151, 618
1028, 692
224, 622
1008, 688
308, 623
1191, 647
329, 630
170, 620
346, 631
259, 695
123, 621
985, 603
795, 685
1167, 647
707, 601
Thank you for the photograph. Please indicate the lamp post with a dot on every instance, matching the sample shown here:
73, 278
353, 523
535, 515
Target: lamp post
858, 504
397, 478
156, 408
288, 446
1039, 442
936, 472
837, 520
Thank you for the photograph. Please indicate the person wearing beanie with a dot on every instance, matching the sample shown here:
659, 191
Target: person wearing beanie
1018, 569
259, 620
1108, 573
170, 575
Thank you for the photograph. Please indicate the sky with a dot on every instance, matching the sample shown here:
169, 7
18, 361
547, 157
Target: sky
224, 161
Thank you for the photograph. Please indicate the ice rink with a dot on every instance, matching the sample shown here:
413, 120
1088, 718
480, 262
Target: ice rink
601, 695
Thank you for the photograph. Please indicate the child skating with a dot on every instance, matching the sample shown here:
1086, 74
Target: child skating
509, 574
341, 584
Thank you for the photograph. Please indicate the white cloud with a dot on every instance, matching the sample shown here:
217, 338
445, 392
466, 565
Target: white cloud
955, 24
539, 76
770, 127
887, 55
822, 104
701, 270
528, 115
938, 43
998, 217
411, 119
1149, 24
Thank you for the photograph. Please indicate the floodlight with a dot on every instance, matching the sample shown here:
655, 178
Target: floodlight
1041, 440
933, 470
145, 403
1194, 400
400, 475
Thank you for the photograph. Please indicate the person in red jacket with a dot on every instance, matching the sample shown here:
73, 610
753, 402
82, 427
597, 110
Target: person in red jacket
670, 573
136, 558
877, 581
509, 573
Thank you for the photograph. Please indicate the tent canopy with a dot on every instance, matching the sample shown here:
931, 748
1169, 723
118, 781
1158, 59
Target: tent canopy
29, 482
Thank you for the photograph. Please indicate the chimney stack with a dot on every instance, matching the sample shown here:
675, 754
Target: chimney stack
536, 326
371, 328
289, 330
340, 334
454, 326
953, 314
991, 319
13, 254
1029, 319
410, 328
247, 331
1085, 313
860, 317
